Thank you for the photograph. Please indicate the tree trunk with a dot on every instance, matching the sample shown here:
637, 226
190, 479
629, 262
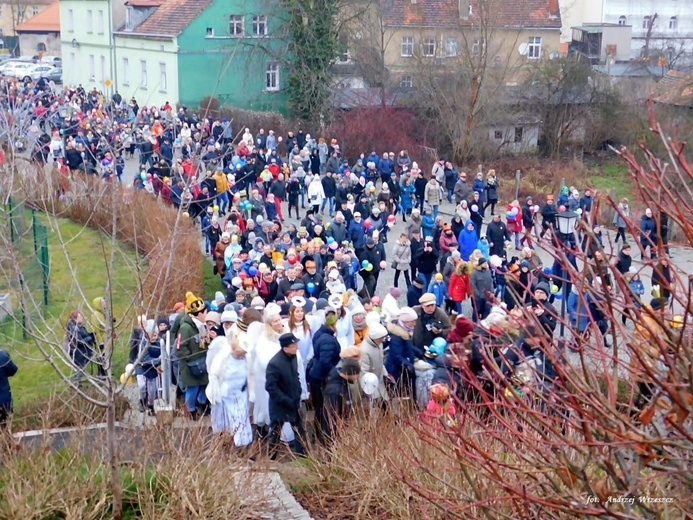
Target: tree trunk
116, 485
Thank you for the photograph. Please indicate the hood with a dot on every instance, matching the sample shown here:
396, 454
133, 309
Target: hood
395, 329
97, 303
466, 225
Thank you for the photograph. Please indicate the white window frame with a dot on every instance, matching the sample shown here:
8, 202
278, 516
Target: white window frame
92, 67
103, 68
673, 23
646, 22
259, 25
99, 21
428, 47
407, 47
34, 11
534, 48
451, 47
70, 20
272, 76
622, 20
209, 32
126, 71
236, 21
143, 74
406, 82
90, 21
163, 80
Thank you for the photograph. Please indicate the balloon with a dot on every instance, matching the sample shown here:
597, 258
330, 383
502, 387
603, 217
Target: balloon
558, 296
186, 214
216, 209
475, 208
149, 176
310, 287
536, 209
375, 300
383, 264
330, 240
391, 219
367, 224
369, 268
547, 270
369, 383
579, 211
561, 208
364, 264
143, 176
510, 215
438, 346
554, 288
252, 271
243, 275
333, 245
514, 211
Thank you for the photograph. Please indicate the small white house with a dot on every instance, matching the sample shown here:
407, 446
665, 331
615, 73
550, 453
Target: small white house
516, 135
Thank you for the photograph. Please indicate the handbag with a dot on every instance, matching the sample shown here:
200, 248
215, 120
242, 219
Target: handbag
198, 367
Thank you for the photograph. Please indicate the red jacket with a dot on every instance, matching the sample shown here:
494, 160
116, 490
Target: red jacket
459, 288
514, 224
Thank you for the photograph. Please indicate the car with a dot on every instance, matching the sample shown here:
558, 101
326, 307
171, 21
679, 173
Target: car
56, 75
16, 69
35, 72
56, 61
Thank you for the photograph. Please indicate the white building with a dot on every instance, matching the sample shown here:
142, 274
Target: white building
86, 32
661, 28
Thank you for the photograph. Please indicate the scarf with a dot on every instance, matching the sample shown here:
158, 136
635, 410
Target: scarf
242, 326
331, 320
358, 326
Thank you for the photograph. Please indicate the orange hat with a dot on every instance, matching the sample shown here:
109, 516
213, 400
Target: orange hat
447, 227
178, 306
514, 268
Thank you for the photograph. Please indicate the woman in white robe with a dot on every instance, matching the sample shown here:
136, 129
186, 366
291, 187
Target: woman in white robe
227, 391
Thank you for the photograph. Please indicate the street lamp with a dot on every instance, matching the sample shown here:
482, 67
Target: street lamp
565, 221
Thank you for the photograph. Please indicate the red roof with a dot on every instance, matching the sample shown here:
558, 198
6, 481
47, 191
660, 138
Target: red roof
47, 20
171, 17
445, 13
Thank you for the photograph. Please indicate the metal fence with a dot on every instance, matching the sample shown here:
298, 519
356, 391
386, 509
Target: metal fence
26, 266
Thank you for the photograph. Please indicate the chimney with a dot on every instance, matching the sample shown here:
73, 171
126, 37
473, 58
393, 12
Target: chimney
554, 11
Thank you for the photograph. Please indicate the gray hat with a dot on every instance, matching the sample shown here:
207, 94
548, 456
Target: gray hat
321, 304
543, 286
298, 286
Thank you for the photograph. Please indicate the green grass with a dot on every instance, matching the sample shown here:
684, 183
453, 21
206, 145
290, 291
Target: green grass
211, 282
612, 176
89, 253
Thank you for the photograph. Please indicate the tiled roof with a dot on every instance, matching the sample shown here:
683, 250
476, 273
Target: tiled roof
47, 20
445, 13
171, 17
675, 88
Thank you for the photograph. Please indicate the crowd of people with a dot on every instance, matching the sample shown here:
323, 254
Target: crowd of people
298, 320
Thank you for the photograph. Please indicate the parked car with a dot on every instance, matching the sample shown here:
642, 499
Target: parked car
56, 61
16, 69
35, 72
56, 75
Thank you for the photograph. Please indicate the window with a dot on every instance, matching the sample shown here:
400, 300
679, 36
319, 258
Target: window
406, 82
92, 68
103, 69
126, 71
673, 23
429, 47
70, 20
272, 76
451, 47
477, 46
99, 21
518, 134
41, 47
34, 11
498, 135
621, 20
162, 77
259, 25
236, 25
646, 22
72, 67
90, 21
209, 32
143, 74
534, 48
407, 46
20, 12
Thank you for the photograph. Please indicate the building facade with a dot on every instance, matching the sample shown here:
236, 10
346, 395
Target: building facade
40, 34
16, 12
88, 50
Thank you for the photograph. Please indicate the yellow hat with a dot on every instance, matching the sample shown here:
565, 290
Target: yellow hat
439, 277
676, 322
193, 303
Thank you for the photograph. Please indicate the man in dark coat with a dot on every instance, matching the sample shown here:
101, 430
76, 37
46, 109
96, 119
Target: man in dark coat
337, 396
284, 388
415, 291
7, 370
497, 234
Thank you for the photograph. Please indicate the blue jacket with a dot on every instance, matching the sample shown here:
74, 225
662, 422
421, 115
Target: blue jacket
357, 233
326, 349
406, 194
648, 231
480, 186
271, 210
7, 370
385, 167
467, 241
400, 356
440, 290
427, 224
485, 248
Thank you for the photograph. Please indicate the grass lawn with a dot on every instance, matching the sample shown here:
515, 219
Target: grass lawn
36, 379
612, 176
211, 282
